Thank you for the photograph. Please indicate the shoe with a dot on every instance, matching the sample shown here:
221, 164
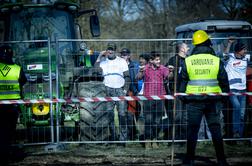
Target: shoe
148, 145
188, 162
155, 145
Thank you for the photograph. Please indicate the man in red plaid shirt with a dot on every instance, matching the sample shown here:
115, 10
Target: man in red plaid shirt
154, 75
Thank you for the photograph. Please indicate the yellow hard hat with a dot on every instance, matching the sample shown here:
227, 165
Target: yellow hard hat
199, 37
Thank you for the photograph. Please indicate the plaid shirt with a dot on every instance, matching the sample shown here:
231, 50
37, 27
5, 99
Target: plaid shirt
154, 80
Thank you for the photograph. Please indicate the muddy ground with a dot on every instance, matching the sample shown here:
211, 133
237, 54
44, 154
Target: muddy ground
133, 154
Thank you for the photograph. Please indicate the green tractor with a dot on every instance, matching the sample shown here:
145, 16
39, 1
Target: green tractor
34, 30
38, 85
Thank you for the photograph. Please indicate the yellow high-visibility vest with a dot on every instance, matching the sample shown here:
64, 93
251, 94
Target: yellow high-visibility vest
9, 85
203, 71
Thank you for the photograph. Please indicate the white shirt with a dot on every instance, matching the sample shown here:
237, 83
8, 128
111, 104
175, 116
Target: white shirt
113, 72
236, 71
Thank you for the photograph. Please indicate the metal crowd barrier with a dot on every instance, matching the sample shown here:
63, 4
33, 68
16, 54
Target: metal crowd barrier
68, 90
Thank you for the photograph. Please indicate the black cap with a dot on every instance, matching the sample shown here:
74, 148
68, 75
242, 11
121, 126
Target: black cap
111, 46
6, 53
125, 51
145, 56
239, 46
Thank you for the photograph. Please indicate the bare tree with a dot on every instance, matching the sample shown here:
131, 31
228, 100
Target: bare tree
162, 16
232, 8
156, 18
246, 10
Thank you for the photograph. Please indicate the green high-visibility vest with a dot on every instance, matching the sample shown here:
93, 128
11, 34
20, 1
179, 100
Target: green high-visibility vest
9, 85
203, 71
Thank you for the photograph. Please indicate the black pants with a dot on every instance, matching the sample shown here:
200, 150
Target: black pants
195, 112
8, 121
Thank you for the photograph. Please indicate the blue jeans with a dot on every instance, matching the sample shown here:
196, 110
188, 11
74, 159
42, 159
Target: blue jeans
122, 113
239, 104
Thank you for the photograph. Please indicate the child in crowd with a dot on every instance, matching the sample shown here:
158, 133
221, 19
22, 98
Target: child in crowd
154, 75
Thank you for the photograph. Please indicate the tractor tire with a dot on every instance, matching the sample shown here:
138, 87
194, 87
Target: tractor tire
94, 119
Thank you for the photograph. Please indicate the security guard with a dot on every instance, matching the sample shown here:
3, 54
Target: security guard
12, 78
203, 72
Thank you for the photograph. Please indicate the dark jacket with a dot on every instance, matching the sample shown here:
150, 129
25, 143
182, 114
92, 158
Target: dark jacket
222, 77
177, 67
133, 70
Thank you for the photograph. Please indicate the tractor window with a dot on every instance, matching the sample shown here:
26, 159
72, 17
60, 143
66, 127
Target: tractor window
220, 44
185, 35
39, 24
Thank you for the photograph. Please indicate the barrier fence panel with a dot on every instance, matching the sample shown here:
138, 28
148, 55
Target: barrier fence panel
66, 101
137, 47
99, 121
34, 122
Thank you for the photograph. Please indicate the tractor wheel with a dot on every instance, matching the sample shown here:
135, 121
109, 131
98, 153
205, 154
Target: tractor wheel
94, 119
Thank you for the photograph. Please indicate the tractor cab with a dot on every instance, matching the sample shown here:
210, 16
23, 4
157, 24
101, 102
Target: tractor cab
39, 25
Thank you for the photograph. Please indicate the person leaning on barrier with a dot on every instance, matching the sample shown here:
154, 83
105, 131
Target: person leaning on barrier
174, 62
174, 65
12, 78
236, 66
133, 106
116, 80
203, 72
143, 60
154, 75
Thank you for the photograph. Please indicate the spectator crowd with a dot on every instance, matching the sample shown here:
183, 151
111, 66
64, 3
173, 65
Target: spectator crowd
198, 70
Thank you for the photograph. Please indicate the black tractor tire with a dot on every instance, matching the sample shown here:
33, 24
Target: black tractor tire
94, 118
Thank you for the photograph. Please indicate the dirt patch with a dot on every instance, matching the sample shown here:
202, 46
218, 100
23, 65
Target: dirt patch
132, 154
